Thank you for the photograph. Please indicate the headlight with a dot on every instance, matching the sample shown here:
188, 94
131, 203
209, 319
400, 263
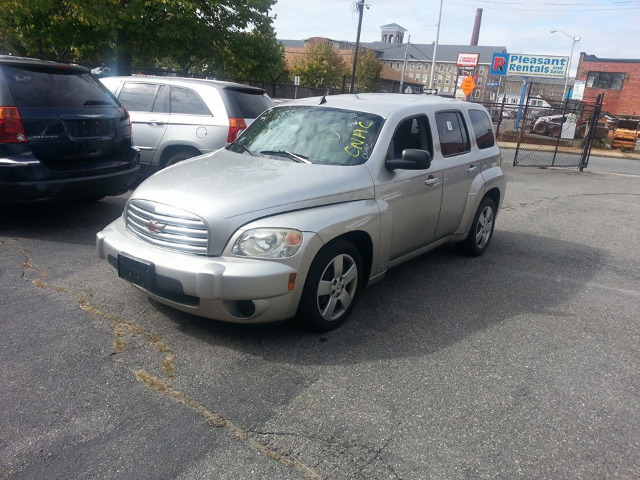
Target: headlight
268, 242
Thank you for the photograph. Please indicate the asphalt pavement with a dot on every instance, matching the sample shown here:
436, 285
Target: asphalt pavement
520, 364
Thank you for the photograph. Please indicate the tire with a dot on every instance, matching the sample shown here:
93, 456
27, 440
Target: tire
555, 132
180, 156
481, 229
331, 288
581, 131
540, 128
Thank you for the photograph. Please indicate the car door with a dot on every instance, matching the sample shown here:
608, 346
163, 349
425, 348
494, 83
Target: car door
193, 123
459, 168
412, 196
148, 106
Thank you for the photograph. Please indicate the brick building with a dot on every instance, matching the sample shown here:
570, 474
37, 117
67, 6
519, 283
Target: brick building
411, 64
617, 79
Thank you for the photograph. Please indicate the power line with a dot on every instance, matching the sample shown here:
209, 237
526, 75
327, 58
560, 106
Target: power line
620, 6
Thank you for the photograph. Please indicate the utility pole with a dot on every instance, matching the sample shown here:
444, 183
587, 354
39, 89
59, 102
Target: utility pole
404, 65
360, 6
435, 48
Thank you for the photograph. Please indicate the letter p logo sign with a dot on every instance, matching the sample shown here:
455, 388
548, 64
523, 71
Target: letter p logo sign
499, 64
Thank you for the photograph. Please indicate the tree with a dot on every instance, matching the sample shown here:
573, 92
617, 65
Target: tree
51, 30
320, 66
368, 71
241, 61
192, 34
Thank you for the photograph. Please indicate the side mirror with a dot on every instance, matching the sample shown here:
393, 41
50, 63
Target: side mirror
412, 159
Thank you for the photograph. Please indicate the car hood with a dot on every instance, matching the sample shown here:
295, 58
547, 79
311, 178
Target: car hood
228, 190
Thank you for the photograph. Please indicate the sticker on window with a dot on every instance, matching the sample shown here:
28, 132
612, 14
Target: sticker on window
449, 126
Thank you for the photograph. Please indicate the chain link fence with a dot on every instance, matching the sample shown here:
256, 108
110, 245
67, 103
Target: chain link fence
541, 136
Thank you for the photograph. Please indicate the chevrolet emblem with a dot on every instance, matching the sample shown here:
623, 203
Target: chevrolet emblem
154, 227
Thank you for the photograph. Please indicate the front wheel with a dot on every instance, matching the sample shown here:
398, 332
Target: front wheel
481, 229
331, 288
540, 128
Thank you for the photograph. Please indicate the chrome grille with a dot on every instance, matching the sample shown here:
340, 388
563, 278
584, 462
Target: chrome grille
167, 227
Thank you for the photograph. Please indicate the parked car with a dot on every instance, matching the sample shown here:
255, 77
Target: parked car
62, 134
316, 199
178, 118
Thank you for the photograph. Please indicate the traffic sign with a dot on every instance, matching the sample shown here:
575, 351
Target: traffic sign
468, 85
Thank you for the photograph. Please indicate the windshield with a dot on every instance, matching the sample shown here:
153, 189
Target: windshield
51, 87
311, 134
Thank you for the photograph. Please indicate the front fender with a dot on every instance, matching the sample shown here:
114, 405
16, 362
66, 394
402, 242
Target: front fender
321, 225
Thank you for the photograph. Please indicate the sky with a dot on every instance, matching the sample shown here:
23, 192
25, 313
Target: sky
607, 29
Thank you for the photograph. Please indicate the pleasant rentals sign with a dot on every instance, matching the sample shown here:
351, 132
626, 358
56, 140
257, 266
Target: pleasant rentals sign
529, 65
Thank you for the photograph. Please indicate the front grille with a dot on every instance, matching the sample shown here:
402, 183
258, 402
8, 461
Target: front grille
167, 227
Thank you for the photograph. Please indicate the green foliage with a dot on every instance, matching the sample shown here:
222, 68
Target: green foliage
224, 37
321, 66
368, 72
52, 30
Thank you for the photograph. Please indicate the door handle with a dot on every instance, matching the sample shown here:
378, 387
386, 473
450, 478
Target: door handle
431, 181
472, 168
155, 122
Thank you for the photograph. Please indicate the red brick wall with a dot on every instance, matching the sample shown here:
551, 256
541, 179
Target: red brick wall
619, 102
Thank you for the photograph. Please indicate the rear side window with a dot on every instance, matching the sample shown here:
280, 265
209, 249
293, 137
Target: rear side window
482, 129
138, 97
46, 87
452, 132
184, 100
247, 103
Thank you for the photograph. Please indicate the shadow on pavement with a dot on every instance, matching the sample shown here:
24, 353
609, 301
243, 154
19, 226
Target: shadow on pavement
422, 306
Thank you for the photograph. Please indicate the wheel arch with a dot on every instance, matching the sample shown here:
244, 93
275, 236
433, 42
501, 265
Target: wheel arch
494, 194
171, 150
364, 244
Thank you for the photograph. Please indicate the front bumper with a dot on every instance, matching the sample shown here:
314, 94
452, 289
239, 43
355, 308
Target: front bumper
222, 288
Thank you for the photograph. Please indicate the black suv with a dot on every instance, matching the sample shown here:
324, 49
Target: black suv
62, 134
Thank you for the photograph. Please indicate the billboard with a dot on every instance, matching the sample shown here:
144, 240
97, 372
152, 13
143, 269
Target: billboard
529, 65
468, 59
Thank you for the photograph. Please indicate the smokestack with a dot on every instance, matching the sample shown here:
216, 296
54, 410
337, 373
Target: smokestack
476, 27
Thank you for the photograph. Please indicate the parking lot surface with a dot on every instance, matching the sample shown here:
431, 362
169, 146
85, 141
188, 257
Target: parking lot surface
521, 363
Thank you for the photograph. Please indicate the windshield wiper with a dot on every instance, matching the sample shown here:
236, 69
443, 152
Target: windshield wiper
296, 157
243, 147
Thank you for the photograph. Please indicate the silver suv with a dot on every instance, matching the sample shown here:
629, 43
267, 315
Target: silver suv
178, 118
316, 199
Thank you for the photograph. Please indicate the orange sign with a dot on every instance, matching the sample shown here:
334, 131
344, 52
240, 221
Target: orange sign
468, 85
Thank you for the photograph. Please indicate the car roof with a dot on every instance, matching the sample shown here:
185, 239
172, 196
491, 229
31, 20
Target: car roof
183, 81
383, 104
35, 62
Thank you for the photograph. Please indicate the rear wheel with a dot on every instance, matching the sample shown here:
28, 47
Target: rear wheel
481, 229
554, 131
180, 156
331, 288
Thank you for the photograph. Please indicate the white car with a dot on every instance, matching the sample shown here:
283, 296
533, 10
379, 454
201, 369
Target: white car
316, 199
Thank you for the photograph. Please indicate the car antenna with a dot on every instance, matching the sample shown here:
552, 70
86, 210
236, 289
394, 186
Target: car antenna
324, 98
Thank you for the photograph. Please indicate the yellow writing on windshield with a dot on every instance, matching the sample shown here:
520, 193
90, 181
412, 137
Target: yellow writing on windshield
358, 137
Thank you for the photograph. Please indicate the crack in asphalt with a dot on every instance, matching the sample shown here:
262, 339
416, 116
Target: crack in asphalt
124, 334
374, 453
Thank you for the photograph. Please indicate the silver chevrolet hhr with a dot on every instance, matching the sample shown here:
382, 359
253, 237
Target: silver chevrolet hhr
316, 199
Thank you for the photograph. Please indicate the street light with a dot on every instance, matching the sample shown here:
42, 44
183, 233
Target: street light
574, 40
